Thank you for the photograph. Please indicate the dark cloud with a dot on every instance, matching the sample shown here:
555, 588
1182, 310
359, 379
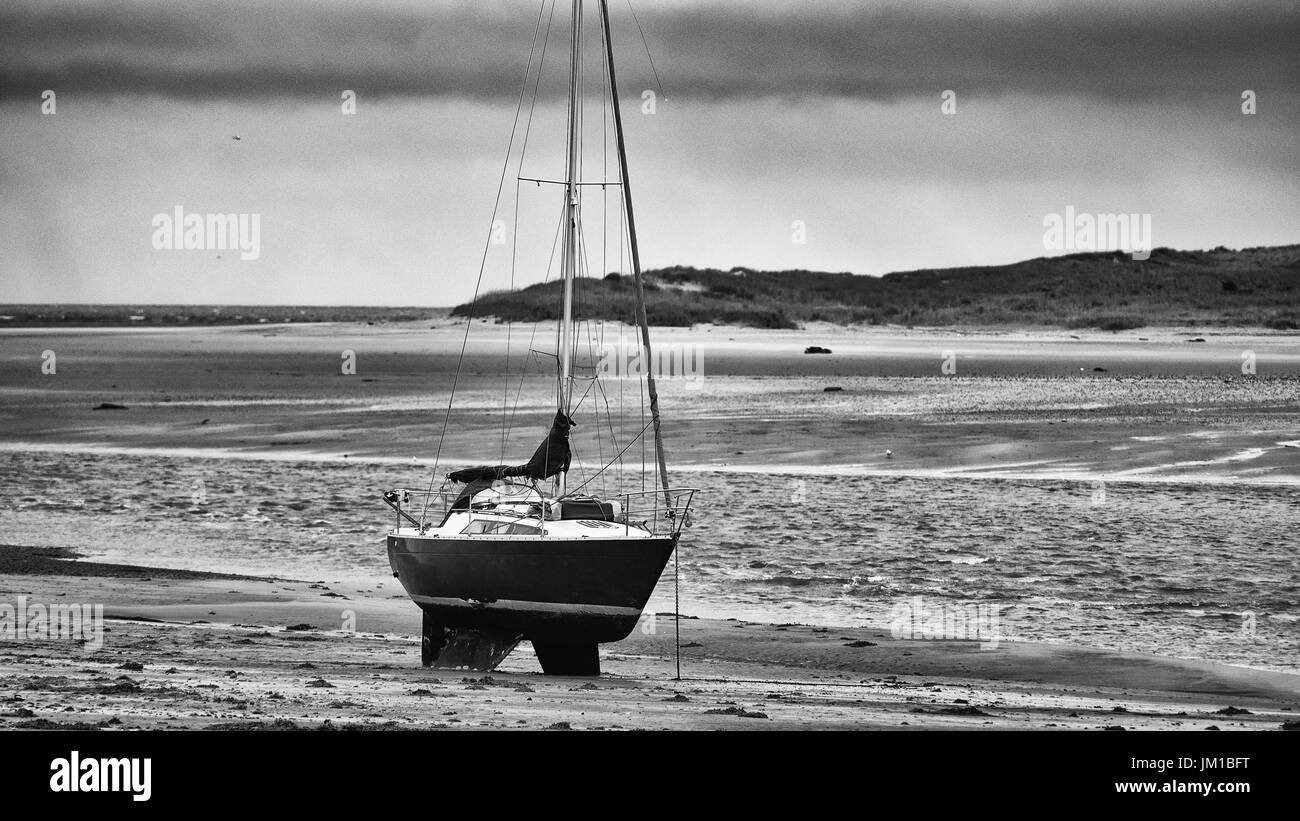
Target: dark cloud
1120, 51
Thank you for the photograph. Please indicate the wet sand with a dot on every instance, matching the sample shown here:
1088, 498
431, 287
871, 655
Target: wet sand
195, 651
1146, 404
230, 653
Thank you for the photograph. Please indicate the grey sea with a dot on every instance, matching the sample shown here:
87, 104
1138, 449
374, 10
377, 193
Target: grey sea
1193, 570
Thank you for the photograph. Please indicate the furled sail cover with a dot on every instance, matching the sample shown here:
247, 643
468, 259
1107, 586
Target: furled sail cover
551, 457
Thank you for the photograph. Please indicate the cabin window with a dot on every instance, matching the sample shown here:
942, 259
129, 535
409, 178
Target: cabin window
488, 526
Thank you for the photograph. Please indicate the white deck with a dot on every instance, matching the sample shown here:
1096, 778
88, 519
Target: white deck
515, 512
458, 522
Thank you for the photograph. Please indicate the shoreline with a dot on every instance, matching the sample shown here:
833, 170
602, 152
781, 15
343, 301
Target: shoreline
255, 653
440, 320
211, 411
987, 472
87, 564
1104, 406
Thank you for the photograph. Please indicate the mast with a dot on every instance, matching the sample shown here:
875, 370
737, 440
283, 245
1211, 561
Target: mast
569, 261
636, 254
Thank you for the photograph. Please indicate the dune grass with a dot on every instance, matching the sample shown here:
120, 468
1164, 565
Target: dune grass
1252, 288
1256, 287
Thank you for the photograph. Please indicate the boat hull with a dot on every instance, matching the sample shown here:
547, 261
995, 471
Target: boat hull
552, 590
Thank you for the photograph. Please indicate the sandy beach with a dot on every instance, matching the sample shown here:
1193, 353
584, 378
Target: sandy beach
183, 651
310, 645
1151, 403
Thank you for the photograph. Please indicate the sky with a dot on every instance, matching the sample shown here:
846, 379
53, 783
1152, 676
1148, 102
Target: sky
784, 135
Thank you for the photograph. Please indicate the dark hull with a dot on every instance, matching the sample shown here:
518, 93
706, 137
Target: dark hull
584, 590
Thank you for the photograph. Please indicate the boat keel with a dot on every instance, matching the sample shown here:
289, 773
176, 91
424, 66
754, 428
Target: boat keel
559, 658
446, 648
458, 648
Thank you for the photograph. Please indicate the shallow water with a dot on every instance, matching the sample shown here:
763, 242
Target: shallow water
1201, 570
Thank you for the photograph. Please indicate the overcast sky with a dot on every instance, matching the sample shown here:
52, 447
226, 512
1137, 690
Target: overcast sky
827, 113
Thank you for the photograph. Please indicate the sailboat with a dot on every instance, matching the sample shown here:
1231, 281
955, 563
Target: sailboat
501, 554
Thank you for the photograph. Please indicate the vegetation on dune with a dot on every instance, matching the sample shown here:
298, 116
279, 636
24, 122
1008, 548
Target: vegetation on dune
1254, 287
